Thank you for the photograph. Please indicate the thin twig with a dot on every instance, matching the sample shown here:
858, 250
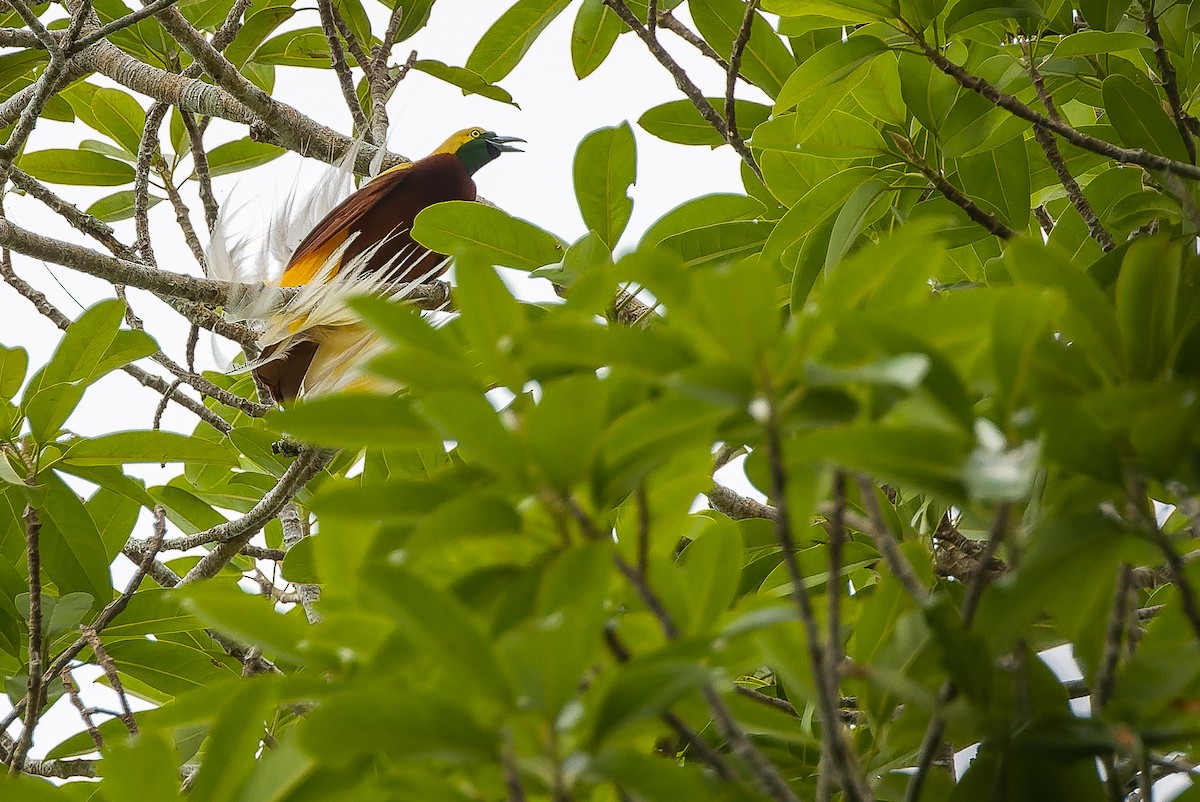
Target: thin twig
147, 148
341, 69
1138, 156
104, 31
1054, 156
232, 535
200, 167
886, 543
735, 65
932, 739
85, 713
1170, 83
989, 221
672, 23
704, 752
157, 383
80, 221
105, 661
1106, 672
293, 533
34, 687
834, 744
685, 84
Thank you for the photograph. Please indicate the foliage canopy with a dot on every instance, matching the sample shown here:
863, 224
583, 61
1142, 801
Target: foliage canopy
952, 324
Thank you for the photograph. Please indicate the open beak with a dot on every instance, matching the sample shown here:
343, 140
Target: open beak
501, 143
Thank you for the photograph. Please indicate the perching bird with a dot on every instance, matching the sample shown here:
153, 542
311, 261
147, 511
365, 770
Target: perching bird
316, 344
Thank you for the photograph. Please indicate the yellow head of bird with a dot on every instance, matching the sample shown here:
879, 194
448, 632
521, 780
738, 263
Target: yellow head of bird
476, 147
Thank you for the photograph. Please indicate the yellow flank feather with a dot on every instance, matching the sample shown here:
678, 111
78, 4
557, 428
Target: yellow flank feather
305, 269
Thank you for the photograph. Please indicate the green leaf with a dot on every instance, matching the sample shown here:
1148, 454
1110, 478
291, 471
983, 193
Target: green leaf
651, 778
605, 167
249, 619
436, 619
232, 744
151, 446
679, 122
1147, 294
1140, 120
704, 211
185, 510
564, 430
13, 364
306, 47
471, 83
807, 214
995, 472
241, 154
500, 238
511, 36
926, 459
369, 722
414, 18
76, 167
833, 63
471, 421
257, 27
118, 115
1094, 43
354, 420
644, 688
593, 36
119, 206
73, 553
717, 244
711, 570
91, 344
1103, 14
972, 13
142, 768
115, 516
998, 180
766, 61
48, 406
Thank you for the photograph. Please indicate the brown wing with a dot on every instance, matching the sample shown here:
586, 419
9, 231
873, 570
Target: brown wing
331, 232
383, 211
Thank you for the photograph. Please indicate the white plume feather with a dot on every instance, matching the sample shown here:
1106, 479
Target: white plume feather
318, 310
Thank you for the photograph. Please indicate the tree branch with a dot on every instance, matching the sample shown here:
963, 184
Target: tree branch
1142, 158
993, 224
1170, 83
685, 84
